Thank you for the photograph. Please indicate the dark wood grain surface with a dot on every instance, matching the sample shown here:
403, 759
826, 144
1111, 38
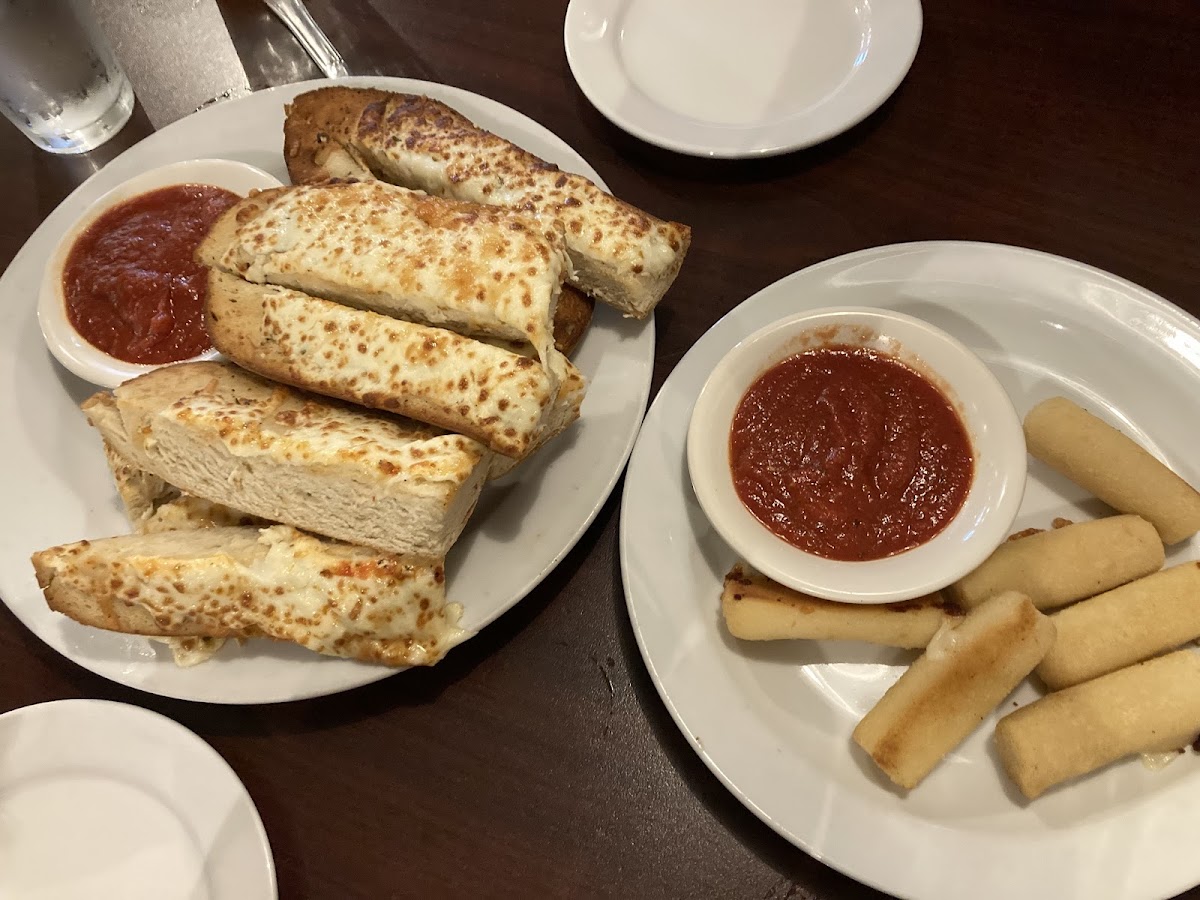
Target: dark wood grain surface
537, 760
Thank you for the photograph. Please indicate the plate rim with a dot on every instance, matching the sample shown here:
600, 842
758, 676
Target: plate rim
113, 710
61, 218
709, 143
1175, 314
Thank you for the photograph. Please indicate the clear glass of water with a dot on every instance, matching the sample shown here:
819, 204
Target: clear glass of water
60, 82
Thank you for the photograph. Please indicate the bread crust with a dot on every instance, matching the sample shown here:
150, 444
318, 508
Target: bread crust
572, 316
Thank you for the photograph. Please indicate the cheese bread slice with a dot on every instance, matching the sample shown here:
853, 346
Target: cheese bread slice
621, 255
503, 399
476, 270
225, 435
277, 583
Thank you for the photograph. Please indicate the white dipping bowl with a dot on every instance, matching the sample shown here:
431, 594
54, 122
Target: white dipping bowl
997, 442
67, 345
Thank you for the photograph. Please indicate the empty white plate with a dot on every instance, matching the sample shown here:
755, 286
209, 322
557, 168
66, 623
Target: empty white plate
100, 799
752, 78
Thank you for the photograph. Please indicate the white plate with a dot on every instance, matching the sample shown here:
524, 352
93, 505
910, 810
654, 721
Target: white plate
101, 799
773, 720
753, 78
57, 489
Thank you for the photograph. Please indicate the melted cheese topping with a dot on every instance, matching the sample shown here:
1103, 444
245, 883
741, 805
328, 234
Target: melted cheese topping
426, 144
291, 430
1158, 761
488, 393
184, 512
478, 270
191, 651
945, 640
332, 598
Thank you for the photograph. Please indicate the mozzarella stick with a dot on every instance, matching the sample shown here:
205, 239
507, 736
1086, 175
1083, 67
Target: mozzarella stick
757, 609
966, 671
1096, 456
1058, 567
1153, 706
1124, 626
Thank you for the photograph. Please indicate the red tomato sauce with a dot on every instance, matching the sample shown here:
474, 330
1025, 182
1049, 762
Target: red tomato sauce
132, 286
849, 454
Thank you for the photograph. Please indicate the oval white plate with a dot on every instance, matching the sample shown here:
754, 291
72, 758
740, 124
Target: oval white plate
754, 78
102, 799
773, 720
68, 346
57, 488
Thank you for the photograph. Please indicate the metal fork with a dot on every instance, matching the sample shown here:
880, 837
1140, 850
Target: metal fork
300, 23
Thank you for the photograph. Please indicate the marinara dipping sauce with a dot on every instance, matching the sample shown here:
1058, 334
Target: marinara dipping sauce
131, 285
849, 454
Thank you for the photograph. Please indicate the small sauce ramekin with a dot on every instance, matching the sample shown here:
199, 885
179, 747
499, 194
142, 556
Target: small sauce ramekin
64, 342
987, 413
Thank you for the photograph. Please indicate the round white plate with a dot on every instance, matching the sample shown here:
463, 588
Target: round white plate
773, 720
57, 488
101, 799
753, 78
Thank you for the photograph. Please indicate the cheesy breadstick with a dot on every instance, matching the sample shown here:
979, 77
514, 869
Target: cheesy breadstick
1153, 706
1058, 567
1124, 626
963, 675
757, 609
1096, 456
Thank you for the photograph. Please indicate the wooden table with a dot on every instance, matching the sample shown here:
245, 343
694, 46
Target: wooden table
537, 760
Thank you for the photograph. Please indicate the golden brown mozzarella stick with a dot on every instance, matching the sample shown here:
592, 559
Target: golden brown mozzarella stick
966, 671
1096, 456
758, 609
1153, 706
1124, 626
1067, 564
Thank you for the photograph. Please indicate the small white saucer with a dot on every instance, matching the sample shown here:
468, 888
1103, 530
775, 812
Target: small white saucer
101, 799
752, 78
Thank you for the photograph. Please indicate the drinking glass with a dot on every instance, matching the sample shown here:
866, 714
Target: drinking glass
60, 82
